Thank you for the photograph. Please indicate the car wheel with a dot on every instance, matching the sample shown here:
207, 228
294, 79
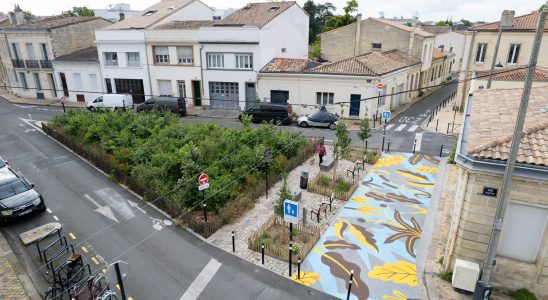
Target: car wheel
92, 109
303, 124
278, 122
332, 126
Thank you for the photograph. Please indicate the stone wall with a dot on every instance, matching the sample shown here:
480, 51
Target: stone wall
338, 44
74, 37
390, 37
473, 216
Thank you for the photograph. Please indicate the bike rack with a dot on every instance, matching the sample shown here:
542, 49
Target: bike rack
58, 231
69, 280
60, 240
64, 250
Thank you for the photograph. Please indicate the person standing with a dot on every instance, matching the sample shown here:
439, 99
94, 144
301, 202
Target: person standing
320, 150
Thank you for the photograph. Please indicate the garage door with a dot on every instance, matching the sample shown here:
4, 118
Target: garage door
224, 95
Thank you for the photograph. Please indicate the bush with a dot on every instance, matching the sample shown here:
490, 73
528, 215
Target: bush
341, 186
421, 93
324, 180
451, 159
522, 294
446, 275
283, 194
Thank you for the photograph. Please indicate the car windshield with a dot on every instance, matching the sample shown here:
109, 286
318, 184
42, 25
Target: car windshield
12, 188
2, 163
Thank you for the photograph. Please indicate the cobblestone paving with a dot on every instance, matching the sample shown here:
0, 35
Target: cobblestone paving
10, 286
264, 209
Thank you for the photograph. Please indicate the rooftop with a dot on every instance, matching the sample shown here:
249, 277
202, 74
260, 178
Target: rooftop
527, 22
51, 22
403, 27
185, 24
256, 14
152, 15
86, 54
438, 53
371, 64
493, 117
515, 74
435, 29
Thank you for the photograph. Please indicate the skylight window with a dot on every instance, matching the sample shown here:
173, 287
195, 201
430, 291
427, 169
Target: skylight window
149, 13
273, 8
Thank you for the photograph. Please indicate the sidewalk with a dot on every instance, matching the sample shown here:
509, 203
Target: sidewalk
444, 120
20, 100
15, 283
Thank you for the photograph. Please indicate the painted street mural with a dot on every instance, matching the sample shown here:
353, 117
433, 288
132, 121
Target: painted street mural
376, 233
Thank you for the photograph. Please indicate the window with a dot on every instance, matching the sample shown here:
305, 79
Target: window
451, 49
149, 13
244, 61
164, 88
432, 74
480, 55
93, 82
215, 60
184, 55
133, 59
77, 81
111, 59
108, 83
522, 231
324, 98
15, 50
181, 88
37, 83
513, 54
30, 51
44, 48
216, 17
376, 46
24, 84
161, 55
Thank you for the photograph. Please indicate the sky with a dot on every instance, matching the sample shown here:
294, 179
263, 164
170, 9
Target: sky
428, 10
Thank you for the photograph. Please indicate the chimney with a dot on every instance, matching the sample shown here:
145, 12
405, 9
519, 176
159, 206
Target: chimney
411, 41
358, 34
19, 16
122, 16
441, 47
13, 20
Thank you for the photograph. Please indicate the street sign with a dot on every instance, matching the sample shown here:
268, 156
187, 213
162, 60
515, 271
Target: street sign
379, 86
203, 181
487, 191
386, 115
291, 211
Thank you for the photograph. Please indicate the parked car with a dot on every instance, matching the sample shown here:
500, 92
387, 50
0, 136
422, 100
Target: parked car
17, 196
277, 113
111, 102
321, 118
173, 104
3, 163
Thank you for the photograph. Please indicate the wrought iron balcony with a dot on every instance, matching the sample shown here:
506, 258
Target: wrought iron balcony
32, 64
46, 64
18, 63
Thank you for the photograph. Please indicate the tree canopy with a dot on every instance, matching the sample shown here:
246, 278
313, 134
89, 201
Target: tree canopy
333, 22
444, 23
543, 7
80, 11
466, 23
317, 13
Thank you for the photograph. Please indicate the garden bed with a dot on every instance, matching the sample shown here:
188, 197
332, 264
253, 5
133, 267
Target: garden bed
275, 236
159, 157
322, 184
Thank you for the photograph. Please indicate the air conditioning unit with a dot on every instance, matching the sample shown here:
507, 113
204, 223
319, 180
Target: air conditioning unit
465, 275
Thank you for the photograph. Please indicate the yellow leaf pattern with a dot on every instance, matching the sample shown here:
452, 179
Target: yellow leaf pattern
420, 184
400, 272
425, 169
389, 161
369, 210
411, 175
360, 200
363, 239
398, 296
307, 278
337, 228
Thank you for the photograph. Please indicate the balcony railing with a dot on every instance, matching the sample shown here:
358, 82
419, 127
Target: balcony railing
18, 63
46, 64
32, 64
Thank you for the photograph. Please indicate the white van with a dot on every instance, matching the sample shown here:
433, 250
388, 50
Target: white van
111, 102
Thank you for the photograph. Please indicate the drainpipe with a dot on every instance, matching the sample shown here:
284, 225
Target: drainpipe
358, 34
148, 64
202, 75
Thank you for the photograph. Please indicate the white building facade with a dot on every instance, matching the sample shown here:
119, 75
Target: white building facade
452, 42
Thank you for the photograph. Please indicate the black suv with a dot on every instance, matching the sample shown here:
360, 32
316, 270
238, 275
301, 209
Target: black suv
173, 104
277, 113
17, 196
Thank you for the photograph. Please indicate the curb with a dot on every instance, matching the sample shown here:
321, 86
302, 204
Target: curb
54, 104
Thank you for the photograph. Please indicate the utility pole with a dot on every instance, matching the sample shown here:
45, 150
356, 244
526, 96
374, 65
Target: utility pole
510, 165
506, 22
467, 71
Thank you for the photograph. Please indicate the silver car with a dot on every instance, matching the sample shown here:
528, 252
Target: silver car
321, 118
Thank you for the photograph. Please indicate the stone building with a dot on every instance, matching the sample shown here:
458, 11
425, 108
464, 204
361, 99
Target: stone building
32, 46
509, 78
481, 157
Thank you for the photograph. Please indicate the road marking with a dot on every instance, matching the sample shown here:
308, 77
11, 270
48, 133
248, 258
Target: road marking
104, 271
136, 205
48, 210
401, 127
389, 126
114, 200
95, 260
84, 249
104, 210
129, 298
413, 128
117, 286
72, 236
200, 282
25, 106
418, 137
55, 218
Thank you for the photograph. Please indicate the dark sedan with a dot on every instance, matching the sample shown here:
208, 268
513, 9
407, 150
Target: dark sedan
17, 196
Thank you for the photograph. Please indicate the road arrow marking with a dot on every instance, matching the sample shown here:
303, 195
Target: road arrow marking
104, 210
136, 205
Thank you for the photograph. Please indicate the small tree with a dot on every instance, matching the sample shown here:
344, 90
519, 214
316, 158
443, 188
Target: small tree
28, 14
283, 194
246, 120
341, 147
80, 11
365, 130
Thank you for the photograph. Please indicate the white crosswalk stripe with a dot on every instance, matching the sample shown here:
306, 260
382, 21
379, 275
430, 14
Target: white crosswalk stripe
401, 127
389, 126
413, 128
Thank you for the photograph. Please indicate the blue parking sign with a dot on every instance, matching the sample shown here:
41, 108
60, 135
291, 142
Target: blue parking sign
386, 114
291, 211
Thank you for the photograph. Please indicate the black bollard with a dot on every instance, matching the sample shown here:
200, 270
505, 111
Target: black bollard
448, 124
414, 145
388, 148
437, 122
366, 144
290, 254
350, 284
262, 253
441, 150
63, 103
382, 149
299, 268
233, 242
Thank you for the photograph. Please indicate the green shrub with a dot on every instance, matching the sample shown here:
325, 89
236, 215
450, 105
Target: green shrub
370, 157
265, 234
296, 249
283, 194
522, 294
324, 180
451, 159
421, 93
341, 186
446, 275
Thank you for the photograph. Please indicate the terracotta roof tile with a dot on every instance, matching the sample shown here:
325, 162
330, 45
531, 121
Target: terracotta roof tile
492, 121
435, 29
527, 22
403, 27
256, 14
86, 54
288, 65
185, 24
52, 22
515, 74
438, 53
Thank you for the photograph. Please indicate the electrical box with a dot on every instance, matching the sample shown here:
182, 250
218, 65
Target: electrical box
465, 275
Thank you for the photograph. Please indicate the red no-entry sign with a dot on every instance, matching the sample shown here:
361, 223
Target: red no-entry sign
203, 181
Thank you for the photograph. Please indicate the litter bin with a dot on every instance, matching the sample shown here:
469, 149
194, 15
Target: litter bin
482, 292
304, 180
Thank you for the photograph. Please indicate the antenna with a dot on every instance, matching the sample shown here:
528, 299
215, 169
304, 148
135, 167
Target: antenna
381, 14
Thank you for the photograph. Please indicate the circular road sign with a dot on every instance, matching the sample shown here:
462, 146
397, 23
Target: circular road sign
379, 86
203, 179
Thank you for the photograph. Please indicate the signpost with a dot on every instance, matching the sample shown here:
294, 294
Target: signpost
63, 104
291, 215
379, 92
487, 191
203, 181
386, 115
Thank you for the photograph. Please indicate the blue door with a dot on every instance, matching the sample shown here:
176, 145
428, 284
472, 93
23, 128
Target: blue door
355, 105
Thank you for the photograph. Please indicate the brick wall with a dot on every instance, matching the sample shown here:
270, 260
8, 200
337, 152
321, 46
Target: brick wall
68, 39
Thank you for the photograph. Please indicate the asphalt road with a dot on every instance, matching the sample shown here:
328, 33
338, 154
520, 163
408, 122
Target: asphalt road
111, 224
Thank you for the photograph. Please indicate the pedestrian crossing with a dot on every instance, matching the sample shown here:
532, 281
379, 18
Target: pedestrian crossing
398, 127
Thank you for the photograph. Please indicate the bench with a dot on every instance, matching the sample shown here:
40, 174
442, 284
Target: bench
361, 163
327, 163
353, 171
321, 208
329, 201
39, 233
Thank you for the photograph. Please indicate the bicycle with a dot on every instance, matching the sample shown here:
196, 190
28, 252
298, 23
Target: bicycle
71, 271
91, 288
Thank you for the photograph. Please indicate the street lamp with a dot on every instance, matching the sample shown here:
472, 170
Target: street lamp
506, 22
